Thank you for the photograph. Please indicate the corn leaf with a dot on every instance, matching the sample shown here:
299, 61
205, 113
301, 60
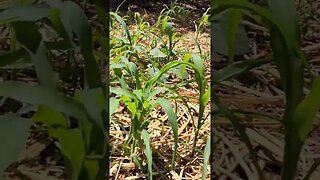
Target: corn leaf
13, 135
206, 156
147, 152
165, 104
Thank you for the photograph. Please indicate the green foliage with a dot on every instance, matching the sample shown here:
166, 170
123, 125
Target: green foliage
139, 78
290, 61
84, 147
14, 133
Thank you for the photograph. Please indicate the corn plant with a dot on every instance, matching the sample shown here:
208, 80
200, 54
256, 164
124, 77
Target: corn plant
84, 147
141, 91
281, 20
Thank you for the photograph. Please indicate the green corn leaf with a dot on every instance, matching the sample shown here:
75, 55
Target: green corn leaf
157, 53
71, 141
198, 63
155, 92
206, 156
60, 29
138, 162
91, 169
224, 44
165, 104
13, 135
76, 23
94, 103
238, 68
49, 117
290, 66
306, 111
10, 58
31, 40
134, 72
206, 96
147, 152
114, 103
22, 13
123, 25
27, 28
234, 21
122, 92
41, 95
72, 147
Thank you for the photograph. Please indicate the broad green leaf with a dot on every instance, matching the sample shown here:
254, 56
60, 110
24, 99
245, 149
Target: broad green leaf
139, 94
13, 136
147, 151
206, 156
165, 104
